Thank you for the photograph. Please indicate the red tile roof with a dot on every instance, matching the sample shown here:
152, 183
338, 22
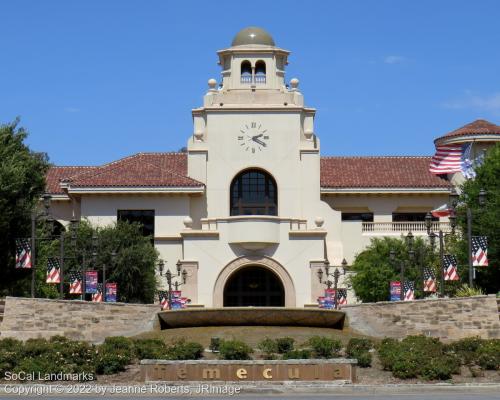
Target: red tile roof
478, 127
170, 170
139, 170
378, 172
55, 174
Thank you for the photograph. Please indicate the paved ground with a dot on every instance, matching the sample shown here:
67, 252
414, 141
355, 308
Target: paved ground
315, 392
471, 396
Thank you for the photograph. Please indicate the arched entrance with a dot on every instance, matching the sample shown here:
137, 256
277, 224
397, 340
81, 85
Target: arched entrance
239, 264
254, 286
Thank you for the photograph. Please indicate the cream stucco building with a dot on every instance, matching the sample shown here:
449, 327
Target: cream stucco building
251, 209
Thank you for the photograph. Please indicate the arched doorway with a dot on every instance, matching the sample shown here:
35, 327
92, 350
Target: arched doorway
254, 286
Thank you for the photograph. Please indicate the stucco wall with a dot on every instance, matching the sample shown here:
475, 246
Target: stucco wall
27, 318
444, 318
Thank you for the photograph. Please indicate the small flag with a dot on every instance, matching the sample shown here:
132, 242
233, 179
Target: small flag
163, 298
53, 271
441, 211
479, 251
429, 280
448, 159
409, 290
97, 296
342, 296
75, 282
450, 268
23, 253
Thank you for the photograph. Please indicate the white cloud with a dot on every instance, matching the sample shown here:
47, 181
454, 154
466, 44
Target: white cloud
394, 59
489, 103
71, 109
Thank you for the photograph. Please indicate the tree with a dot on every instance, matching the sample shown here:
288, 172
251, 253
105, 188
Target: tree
485, 219
374, 270
22, 181
133, 268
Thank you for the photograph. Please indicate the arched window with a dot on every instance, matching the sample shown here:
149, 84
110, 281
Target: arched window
246, 72
254, 192
260, 72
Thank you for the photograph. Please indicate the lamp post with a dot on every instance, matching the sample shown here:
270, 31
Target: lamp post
454, 196
335, 275
170, 278
392, 260
35, 216
441, 235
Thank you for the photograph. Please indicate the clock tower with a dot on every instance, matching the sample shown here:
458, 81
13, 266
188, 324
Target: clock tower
252, 119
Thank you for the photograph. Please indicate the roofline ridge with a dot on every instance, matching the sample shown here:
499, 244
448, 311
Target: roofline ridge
428, 156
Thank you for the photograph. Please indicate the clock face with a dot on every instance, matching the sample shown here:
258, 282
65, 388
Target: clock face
253, 137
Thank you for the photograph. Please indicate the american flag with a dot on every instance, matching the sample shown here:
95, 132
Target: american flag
450, 268
479, 251
97, 296
448, 159
409, 290
75, 282
23, 253
163, 297
53, 271
429, 280
342, 296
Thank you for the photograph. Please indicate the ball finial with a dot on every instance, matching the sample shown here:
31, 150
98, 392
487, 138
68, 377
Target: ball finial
212, 83
294, 83
188, 222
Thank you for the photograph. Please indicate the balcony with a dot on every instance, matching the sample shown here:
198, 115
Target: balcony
389, 228
257, 79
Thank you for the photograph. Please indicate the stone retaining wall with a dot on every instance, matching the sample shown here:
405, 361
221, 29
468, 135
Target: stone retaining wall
444, 318
26, 318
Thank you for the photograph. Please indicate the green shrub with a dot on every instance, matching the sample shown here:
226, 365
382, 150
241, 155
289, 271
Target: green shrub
109, 362
182, 350
466, 349
269, 348
149, 349
285, 344
234, 350
405, 368
440, 368
114, 355
119, 343
356, 345
364, 359
325, 347
388, 352
489, 354
359, 349
299, 354
467, 291
11, 352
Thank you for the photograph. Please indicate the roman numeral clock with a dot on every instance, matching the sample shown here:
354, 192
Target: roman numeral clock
253, 137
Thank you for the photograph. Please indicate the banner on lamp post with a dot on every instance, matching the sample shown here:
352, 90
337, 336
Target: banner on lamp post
91, 282
111, 289
395, 291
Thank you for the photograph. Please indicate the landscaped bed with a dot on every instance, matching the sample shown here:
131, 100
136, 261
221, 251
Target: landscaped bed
414, 359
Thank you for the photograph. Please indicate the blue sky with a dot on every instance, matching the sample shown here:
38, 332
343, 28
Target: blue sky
94, 81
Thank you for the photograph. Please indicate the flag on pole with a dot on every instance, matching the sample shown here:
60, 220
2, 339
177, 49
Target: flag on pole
53, 271
75, 282
97, 296
23, 253
479, 251
163, 298
446, 160
409, 290
429, 280
341, 297
450, 268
